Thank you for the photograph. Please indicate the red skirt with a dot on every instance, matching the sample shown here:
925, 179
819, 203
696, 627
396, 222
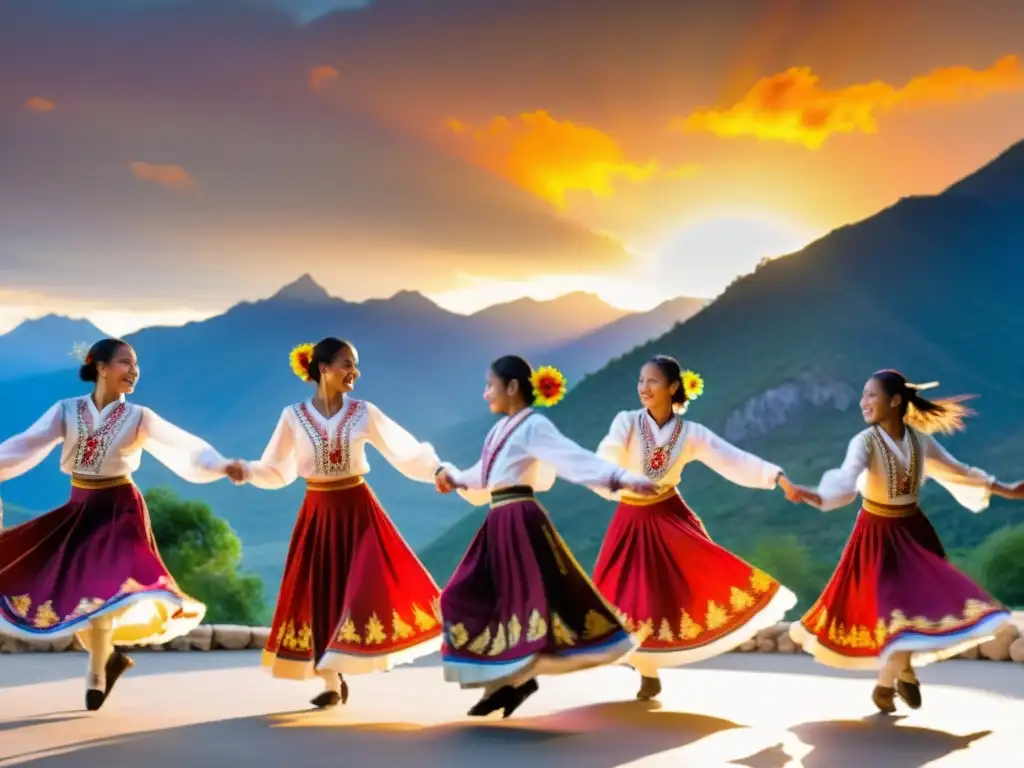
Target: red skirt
93, 557
894, 590
687, 597
354, 597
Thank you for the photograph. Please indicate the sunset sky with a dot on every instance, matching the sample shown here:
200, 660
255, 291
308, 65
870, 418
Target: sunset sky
161, 160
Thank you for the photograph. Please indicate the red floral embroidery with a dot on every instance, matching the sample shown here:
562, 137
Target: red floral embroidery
93, 446
657, 458
331, 451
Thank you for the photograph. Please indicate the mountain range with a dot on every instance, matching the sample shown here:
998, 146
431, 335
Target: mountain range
929, 286
43, 345
227, 378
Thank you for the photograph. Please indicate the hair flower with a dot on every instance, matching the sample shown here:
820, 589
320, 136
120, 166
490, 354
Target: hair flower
693, 385
300, 358
80, 351
548, 386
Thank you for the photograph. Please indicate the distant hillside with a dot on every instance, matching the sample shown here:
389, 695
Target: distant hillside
591, 352
43, 345
227, 379
928, 286
554, 322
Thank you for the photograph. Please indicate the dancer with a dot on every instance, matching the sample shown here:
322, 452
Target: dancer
688, 598
91, 567
354, 597
518, 604
894, 601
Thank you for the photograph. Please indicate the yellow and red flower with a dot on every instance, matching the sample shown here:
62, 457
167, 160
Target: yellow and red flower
548, 386
300, 358
693, 385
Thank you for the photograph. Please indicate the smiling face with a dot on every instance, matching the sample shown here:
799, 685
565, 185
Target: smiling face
500, 396
343, 371
121, 375
654, 389
876, 405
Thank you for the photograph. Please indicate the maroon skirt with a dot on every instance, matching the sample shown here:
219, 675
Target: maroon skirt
519, 604
95, 556
354, 596
894, 590
686, 597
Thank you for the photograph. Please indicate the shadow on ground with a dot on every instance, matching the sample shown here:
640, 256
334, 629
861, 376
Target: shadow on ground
598, 736
875, 740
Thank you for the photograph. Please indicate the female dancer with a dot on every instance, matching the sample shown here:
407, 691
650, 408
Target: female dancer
894, 600
91, 567
354, 597
686, 597
518, 604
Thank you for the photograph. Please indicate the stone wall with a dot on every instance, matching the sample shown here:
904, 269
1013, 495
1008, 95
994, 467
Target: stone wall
1008, 645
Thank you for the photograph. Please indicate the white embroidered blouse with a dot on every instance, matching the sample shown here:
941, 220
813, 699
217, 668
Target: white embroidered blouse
307, 445
636, 442
109, 443
885, 472
528, 449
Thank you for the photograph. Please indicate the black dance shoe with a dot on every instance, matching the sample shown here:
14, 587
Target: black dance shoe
117, 665
328, 699
650, 687
885, 699
908, 687
519, 695
497, 700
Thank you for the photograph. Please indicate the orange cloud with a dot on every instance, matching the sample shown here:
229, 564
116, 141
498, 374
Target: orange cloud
39, 104
793, 107
171, 176
320, 76
550, 157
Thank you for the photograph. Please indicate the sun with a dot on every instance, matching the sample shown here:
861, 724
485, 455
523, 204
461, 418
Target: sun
703, 257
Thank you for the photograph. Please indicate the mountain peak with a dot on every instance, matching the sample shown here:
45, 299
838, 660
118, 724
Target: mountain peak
999, 182
304, 288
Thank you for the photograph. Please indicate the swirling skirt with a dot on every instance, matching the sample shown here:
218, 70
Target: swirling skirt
894, 590
519, 605
354, 597
93, 557
688, 598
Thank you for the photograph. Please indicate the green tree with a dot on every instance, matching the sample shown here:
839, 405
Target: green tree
790, 562
204, 554
999, 564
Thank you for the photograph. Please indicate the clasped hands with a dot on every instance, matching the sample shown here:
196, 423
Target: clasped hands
798, 493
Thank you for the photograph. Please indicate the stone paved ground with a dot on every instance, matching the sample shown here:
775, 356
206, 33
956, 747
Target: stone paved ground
754, 710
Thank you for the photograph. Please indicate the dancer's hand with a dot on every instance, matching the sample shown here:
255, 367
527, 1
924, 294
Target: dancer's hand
235, 471
798, 493
643, 487
1014, 491
443, 482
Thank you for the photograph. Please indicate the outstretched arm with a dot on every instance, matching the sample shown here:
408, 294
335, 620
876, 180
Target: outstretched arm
613, 448
22, 452
578, 465
838, 487
970, 486
278, 466
415, 460
186, 455
735, 465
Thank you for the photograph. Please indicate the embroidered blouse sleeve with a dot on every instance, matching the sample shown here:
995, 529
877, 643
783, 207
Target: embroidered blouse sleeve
186, 455
838, 487
613, 448
570, 461
735, 465
22, 452
970, 486
415, 460
279, 465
